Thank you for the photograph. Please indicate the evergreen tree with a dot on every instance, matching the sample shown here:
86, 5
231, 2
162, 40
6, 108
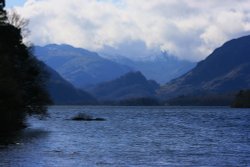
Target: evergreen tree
22, 80
242, 99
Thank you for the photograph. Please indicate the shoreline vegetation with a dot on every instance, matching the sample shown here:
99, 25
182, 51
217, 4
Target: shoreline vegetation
22, 91
242, 99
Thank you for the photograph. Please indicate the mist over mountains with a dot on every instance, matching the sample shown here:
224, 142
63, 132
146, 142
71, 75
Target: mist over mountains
219, 77
161, 68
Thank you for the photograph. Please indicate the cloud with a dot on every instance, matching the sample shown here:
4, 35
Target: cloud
188, 29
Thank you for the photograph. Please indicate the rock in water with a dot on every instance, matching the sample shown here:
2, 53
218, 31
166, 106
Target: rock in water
85, 117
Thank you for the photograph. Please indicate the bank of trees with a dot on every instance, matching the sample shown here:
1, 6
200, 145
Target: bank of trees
22, 79
242, 99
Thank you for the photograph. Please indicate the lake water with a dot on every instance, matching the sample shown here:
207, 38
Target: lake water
132, 136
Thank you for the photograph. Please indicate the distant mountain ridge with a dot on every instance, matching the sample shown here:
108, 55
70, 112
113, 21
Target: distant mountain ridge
130, 85
162, 68
84, 68
64, 93
79, 66
226, 70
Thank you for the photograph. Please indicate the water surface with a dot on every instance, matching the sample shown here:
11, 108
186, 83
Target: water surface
132, 136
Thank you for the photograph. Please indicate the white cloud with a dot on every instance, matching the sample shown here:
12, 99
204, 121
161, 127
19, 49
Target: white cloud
188, 29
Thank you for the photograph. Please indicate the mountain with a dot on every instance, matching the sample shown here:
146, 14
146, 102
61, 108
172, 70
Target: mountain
225, 71
64, 93
79, 66
130, 85
162, 68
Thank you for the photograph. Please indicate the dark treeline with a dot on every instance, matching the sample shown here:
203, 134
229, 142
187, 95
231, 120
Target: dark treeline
140, 101
144, 101
22, 90
242, 99
202, 100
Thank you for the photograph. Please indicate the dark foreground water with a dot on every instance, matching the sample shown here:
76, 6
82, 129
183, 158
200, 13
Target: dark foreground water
133, 136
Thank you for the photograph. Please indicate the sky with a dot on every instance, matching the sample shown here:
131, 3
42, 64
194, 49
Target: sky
187, 29
13, 3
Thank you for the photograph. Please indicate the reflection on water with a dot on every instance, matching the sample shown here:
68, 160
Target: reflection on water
21, 137
132, 136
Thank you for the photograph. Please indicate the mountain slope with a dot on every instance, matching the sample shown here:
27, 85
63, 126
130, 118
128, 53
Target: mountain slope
64, 93
226, 70
79, 66
162, 68
130, 85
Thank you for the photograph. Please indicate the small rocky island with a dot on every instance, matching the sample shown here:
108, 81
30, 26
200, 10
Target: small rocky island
85, 117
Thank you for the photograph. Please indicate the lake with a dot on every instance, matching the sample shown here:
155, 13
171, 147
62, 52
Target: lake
132, 136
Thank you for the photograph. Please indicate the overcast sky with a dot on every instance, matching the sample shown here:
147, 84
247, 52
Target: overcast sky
188, 29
